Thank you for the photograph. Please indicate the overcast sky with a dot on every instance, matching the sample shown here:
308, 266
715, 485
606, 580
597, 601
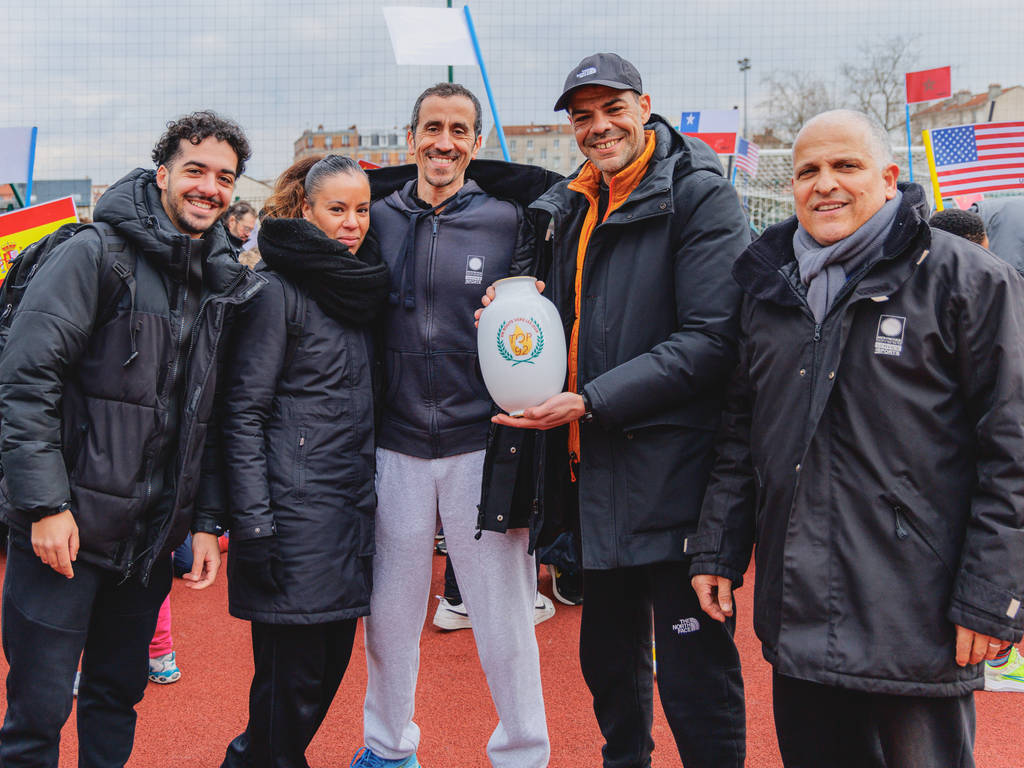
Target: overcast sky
100, 79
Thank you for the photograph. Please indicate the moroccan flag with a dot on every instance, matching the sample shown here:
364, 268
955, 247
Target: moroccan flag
984, 157
717, 128
928, 84
19, 229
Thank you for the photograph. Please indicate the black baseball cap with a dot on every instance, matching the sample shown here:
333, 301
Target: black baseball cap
601, 69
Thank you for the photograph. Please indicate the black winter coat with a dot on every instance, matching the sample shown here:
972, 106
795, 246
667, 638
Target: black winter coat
299, 448
875, 458
80, 425
656, 344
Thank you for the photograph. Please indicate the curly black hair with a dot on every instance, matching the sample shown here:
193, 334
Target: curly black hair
195, 128
964, 223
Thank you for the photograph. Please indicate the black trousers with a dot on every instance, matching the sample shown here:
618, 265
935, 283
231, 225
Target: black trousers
298, 671
821, 725
49, 621
699, 679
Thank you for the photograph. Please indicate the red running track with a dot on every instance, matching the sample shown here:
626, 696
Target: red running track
189, 723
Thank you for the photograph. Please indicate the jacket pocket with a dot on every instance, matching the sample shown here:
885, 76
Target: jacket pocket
73, 452
392, 375
908, 522
666, 471
300, 464
758, 504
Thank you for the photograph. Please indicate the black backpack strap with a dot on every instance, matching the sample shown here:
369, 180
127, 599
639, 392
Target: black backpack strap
117, 272
295, 319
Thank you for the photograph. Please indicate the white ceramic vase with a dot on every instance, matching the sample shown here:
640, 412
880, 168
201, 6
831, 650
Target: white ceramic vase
521, 346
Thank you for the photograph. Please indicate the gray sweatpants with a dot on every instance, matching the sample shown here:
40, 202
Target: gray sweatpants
498, 580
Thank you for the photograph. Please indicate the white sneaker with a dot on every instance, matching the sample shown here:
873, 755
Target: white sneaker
1008, 676
164, 669
543, 608
450, 617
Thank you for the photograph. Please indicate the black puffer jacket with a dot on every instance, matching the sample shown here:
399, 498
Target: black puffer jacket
81, 425
299, 447
876, 460
656, 344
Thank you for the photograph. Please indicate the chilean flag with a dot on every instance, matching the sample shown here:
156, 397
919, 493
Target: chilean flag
716, 127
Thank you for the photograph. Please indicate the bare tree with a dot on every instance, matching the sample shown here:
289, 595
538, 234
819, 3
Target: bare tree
793, 99
875, 85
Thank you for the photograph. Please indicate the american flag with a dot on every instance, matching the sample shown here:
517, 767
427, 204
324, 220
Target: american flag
978, 158
746, 156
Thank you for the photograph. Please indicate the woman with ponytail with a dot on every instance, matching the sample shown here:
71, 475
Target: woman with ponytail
298, 434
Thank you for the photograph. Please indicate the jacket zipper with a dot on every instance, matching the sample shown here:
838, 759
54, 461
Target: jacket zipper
161, 535
168, 387
901, 532
435, 437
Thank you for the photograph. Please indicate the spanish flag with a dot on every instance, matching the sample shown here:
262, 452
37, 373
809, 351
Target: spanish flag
19, 229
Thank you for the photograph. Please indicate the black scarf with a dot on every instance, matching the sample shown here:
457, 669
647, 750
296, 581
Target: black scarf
350, 288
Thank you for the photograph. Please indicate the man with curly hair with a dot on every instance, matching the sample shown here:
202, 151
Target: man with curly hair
106, 398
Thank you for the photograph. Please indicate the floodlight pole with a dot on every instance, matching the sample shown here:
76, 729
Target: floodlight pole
744, 68
451, 69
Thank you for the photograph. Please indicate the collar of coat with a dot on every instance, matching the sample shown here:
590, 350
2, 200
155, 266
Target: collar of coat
765, 269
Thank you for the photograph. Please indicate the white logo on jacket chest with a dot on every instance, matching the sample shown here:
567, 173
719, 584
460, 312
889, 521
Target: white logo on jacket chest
889, 336
474, 270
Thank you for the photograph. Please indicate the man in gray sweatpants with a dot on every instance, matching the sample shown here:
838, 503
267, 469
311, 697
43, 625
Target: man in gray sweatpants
444, 238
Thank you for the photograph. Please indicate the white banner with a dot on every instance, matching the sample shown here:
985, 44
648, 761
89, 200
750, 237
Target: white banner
15, 151
430, 36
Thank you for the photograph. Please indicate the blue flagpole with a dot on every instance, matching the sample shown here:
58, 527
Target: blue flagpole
31, 166
487, 83
733, 179
910, 150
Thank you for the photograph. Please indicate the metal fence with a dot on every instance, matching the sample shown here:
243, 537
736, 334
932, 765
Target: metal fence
100, 79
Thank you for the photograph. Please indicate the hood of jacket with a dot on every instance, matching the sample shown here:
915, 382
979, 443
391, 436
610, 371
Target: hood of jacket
675, 156
132, 205
404, 200
766, 270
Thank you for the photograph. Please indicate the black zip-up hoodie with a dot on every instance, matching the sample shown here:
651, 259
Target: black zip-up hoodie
435, 403
122, 441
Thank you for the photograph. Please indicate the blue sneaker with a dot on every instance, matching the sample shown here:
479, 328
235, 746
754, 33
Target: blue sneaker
365, 758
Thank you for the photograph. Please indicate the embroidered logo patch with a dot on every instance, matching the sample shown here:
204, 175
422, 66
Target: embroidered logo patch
686, 626
474, 270
587, 71
889, 337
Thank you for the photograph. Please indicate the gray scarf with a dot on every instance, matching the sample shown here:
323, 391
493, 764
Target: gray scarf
824, 268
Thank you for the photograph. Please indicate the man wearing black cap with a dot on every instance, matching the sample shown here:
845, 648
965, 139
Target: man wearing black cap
642, 239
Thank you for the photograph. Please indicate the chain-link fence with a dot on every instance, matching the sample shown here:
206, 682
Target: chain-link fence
100, 79
768, 198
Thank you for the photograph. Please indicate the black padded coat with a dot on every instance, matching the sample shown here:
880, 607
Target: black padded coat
875, 458
298, 443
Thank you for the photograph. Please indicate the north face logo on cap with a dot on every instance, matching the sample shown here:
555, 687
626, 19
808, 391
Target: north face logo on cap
586, 72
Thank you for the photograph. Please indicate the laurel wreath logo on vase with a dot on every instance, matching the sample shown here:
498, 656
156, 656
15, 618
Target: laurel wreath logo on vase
522, 342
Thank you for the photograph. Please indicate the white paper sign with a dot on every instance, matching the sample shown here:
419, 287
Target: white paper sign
15, 146
430, 36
